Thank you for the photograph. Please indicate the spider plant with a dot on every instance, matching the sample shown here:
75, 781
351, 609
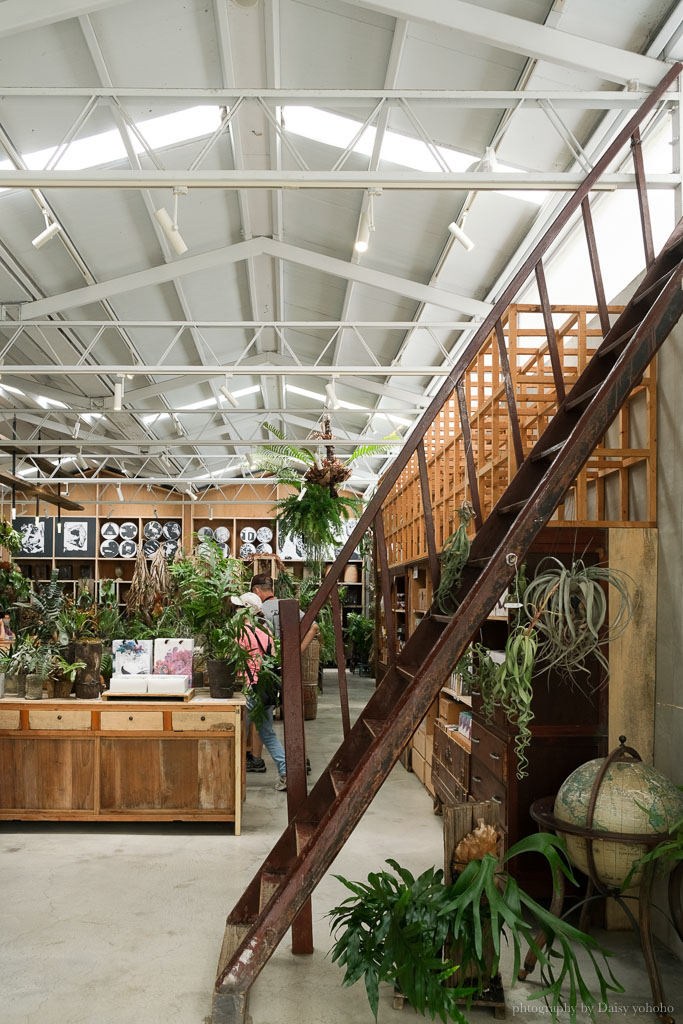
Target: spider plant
394, 928
568, 609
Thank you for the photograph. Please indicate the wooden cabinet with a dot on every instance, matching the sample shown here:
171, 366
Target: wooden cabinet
83, 760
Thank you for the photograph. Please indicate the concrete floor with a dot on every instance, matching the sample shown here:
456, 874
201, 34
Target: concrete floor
107, 924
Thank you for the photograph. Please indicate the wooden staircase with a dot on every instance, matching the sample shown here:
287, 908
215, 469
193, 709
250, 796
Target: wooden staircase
328, 815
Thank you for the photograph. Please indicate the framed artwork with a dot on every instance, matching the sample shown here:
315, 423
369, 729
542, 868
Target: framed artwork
290, 548
132, 657
77, 538
348, 526
173, 656
36, 537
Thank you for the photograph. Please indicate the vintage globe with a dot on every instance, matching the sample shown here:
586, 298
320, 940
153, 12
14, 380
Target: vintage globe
633, 798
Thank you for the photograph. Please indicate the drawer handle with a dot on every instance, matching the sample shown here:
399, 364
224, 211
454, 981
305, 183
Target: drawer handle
130, 718
203, 718
475, 778
473, 739
59, 718
496, 757
496, 800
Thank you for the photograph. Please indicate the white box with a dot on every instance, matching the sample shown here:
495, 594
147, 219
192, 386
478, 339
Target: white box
169, 684
173, 656
129, 684
132, 657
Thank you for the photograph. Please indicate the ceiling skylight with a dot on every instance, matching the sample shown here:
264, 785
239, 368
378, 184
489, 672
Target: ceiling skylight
108, 147
337, 131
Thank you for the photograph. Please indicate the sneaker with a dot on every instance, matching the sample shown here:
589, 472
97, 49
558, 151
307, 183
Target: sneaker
281, 783
255, 764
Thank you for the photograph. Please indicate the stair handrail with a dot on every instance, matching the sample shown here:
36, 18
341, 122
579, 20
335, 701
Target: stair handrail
452, 379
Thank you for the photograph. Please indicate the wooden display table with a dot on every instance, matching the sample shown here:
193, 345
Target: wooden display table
133, 760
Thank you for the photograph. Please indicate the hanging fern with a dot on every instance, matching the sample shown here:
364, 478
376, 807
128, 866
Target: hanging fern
316, 516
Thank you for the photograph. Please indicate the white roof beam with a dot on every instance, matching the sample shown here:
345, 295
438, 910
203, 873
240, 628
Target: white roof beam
518, 35
233, 253
20, 16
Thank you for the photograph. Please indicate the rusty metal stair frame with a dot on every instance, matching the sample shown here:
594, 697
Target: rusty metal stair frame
333, 808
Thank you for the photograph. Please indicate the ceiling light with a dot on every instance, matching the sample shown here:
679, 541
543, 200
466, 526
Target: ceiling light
165, 459
210, 511
190, 492
458, 233
51, 229
77, 427
227, 393
332, 400
80, 461
119, 492
363, 236
179, 428
118, 395
252, 461
170, 226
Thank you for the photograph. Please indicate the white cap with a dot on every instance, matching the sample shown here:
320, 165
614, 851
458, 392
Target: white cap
248, 600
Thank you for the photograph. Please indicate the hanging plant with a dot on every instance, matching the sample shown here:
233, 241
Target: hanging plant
9, 537
568, 609
137, 597
453, 557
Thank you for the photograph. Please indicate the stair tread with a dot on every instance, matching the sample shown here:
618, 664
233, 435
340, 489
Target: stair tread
405, 671
656, 286
440, 617
514, 506
374, 725
339, 779
606, 349
547, 453
585, 396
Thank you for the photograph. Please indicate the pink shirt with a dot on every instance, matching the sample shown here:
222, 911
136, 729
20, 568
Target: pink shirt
248, 641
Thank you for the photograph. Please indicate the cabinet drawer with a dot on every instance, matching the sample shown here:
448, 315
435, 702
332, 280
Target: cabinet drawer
485, 786
10, 718
53, 719
454, 758
498, 717
446, 787
203, 721
489, 750
132, 721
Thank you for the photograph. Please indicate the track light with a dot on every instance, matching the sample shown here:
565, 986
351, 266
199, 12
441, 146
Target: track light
227, 393
179, 428
165, 459
37, 519
190, 492
80, 461
252, 461
332, 400
51, 229
210, 511
77, 428
169, 225
118, 396
156, 514
363, 236
119, 492
460, 235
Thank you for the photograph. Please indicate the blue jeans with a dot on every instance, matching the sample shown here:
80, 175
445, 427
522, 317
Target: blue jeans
269, 738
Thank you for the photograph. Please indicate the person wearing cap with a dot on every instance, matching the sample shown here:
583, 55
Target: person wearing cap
262, 586
258, 642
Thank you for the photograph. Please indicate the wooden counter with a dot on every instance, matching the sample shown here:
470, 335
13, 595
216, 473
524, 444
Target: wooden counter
127, 760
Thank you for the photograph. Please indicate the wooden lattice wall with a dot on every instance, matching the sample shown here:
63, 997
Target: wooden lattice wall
616, 488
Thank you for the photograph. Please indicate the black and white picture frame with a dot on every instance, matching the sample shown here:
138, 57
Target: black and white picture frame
36, 536
290, 548
77, 537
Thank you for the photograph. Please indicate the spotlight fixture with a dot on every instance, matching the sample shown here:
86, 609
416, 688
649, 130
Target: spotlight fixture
210, 511
165, 459
37, 519
179, 428
59, 522
190, 492
301, 493
77, 428
119, 492
460, 235
252, 461
227, 393
118, 395
51, 229
156, 514
367, 222
80, 461
169, 225
332, 400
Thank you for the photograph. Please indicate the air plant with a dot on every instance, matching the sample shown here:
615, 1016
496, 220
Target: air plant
454, 555
568, 609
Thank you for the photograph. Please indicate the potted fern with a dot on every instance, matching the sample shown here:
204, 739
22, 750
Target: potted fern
395, 928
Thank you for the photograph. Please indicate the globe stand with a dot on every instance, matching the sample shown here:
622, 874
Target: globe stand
542, 812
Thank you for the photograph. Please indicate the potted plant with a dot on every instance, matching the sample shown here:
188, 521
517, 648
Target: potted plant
39, 657
15, 663
359, 632
79, 626
226, 659
395, 928
62, 676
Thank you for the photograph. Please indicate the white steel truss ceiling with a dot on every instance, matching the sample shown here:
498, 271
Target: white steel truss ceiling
286, 128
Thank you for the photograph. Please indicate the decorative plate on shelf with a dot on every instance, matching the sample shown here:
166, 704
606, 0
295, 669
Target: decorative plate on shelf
248, 535
222, 534
247, 549
170, 548
128, 549
150, 548
225, 550
204, 550
264, 534
264, 549
129, 531
171, 530
109, 530
109, 549
205, 532
152, 530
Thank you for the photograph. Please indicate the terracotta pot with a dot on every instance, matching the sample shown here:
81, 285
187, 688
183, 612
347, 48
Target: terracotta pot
221, 677
34, 686
351, 574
